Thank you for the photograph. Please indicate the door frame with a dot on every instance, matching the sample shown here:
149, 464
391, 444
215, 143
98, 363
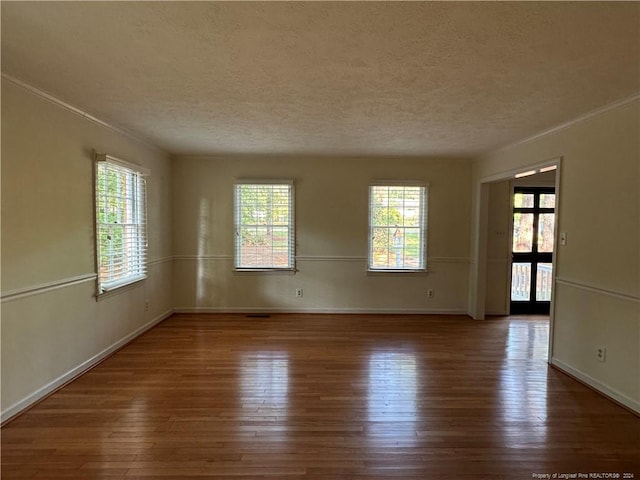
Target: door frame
478, 270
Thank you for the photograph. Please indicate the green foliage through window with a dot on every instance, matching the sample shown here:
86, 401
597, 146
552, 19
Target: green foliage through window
397, 227
121, 238
264, 226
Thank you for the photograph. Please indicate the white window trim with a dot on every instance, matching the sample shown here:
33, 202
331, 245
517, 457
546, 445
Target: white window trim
292, 226
108, 288
423, 221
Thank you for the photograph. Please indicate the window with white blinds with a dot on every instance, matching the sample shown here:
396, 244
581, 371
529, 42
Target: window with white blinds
264, 226
121, 223
397, 227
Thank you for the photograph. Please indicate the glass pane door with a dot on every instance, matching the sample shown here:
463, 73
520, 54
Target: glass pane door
532, 249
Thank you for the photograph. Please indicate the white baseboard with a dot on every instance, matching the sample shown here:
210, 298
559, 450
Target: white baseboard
381, 311
606, 390
42, 392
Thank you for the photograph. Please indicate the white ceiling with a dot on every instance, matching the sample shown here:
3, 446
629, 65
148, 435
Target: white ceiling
329, 78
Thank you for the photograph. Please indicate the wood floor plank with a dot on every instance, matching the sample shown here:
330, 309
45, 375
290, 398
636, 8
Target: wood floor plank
325, 397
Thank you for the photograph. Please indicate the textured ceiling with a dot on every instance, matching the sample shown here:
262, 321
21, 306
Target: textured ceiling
330, 78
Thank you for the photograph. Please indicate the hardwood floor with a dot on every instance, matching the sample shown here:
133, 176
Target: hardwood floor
325, 397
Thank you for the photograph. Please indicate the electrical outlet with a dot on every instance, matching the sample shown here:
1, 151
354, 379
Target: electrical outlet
299, 292
146, 305
430, 293
601, 354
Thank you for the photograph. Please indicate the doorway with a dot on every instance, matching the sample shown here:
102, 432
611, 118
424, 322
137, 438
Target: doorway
532, 250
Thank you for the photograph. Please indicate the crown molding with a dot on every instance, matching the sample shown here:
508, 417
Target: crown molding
70, 108
582, 118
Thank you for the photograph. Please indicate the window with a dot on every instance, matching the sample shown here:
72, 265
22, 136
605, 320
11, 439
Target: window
121, 223
264, 226
397, 227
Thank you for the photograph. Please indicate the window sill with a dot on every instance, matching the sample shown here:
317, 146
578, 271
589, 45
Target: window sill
120, 287
396, 272
267, 271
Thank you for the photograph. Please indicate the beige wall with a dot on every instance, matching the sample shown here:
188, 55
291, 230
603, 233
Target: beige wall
597, 288
52, 326
331, 225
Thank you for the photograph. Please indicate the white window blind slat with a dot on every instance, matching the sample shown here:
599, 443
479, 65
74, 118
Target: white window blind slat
397, 227
121, 223
264, 226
